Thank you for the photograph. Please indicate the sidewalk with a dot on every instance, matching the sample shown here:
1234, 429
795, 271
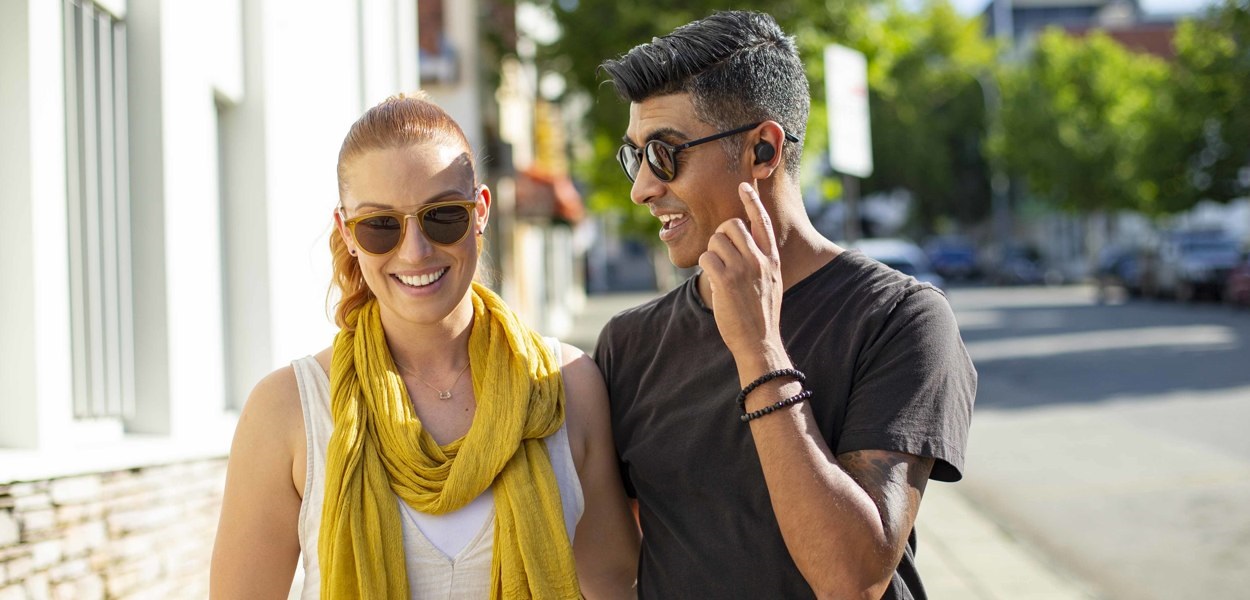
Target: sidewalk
961, 554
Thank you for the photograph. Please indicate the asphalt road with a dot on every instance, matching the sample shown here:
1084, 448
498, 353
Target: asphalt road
1115, 439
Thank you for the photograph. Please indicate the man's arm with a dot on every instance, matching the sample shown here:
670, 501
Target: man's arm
844, 521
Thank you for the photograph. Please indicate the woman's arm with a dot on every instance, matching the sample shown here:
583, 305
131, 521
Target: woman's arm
606, 544
257, 537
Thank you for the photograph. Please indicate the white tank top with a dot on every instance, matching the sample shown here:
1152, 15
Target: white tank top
448, 556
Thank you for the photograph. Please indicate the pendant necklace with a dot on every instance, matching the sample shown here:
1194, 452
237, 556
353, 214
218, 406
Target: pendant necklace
442, 395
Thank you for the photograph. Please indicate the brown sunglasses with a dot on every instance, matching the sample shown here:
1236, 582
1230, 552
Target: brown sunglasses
380, 233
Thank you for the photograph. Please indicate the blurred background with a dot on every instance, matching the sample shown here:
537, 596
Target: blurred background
1075, 174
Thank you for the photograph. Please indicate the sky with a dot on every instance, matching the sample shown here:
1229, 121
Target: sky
972, 7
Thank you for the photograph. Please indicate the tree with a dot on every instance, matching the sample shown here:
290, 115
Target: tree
928, 107
594, 30
1199, 146
1077, 115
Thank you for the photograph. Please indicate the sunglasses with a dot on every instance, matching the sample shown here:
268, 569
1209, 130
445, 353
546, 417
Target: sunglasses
380, 233
662, 156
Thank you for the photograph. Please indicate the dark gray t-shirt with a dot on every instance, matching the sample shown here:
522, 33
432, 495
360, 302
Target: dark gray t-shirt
887, 369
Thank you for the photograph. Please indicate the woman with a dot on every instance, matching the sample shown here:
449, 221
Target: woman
449, 449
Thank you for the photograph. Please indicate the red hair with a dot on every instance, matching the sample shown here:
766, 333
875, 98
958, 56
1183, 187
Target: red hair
398, 122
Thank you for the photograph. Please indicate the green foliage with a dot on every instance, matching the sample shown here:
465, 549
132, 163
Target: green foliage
1076, 119
595, 30
1093, 126
1201, 138
928, 111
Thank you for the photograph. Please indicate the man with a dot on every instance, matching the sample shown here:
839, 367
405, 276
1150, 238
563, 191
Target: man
784, 495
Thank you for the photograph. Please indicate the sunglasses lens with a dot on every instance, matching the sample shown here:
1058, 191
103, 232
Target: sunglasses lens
380, 234
628, 157
660, 157
446, 224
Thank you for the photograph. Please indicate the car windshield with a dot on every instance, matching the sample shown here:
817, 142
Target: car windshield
902, 266
1208, 246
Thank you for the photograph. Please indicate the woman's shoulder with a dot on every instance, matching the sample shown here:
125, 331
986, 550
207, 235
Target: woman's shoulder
586, 397
274, 404
580, 371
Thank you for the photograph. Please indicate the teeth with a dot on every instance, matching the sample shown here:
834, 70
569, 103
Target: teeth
422, 280
666, 219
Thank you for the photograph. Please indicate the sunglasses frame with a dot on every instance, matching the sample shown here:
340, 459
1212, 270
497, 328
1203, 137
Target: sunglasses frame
419, 215
643, 154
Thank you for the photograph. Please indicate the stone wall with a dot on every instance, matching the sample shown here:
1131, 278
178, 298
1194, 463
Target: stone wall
140, 533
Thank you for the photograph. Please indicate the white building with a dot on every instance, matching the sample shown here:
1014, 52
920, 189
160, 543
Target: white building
168, 172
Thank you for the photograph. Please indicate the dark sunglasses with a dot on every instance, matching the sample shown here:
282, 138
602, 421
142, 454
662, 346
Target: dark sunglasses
380, 233
662, 156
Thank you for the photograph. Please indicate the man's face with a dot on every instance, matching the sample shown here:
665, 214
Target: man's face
702, 195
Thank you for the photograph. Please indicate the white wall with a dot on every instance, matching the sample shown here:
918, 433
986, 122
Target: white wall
34, 271
237, 112
462, 100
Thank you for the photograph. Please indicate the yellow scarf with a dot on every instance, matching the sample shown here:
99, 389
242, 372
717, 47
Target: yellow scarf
379, 450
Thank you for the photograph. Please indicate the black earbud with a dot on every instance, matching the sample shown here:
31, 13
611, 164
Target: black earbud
764, 152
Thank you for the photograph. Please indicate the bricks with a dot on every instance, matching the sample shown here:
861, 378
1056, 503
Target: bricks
138, 533
75, 490
9, 533
81, 539
90, 587
38, 524
19, 569
12, 592
46, 553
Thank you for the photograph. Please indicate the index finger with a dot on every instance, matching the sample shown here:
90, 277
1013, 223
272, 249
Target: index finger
761, 223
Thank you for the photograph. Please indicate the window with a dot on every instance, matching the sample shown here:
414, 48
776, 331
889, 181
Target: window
101, 315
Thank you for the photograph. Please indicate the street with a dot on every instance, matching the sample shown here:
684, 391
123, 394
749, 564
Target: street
1109, 455
1113, 438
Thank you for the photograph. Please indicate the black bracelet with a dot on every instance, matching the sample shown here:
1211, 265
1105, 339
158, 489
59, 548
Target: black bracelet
765, 378
795, 399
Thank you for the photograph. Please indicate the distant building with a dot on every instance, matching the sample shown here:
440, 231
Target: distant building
1027, 18
1122, 20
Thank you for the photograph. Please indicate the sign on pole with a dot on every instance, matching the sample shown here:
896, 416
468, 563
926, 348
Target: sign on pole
846, 91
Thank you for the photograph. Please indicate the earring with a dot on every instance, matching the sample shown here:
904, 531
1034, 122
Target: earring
352, 252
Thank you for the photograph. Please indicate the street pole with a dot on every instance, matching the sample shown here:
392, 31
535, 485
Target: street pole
850, 205
1000, 208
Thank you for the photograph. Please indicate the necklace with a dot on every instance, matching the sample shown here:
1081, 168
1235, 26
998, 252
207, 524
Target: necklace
442, 395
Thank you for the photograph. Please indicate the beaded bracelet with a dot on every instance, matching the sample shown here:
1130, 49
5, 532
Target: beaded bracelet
795, 399
765, 378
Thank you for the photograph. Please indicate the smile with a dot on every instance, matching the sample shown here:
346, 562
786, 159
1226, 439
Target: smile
671, 220
421, 280
670, 225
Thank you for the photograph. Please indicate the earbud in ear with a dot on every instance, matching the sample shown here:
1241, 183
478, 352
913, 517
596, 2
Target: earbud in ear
764, 152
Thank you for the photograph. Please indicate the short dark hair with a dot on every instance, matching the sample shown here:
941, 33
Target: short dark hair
739, 67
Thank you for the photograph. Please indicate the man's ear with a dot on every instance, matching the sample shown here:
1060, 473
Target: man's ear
767, 145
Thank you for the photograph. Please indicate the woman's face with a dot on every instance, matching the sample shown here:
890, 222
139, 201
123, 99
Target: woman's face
420, 281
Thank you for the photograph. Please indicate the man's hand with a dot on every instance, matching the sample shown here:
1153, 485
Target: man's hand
744, 271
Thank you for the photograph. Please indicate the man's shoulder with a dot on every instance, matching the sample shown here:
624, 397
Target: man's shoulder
861, 295
649, 311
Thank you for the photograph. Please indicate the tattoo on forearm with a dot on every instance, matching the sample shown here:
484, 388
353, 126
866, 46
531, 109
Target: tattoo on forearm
893, 480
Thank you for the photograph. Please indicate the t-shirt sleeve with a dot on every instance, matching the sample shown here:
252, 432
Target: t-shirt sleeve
914, 387
603, 355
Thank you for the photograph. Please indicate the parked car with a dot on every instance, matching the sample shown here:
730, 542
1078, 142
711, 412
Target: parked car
953, 257
1018, 265
1189, 264
1237, 286
1119, 268
902, 256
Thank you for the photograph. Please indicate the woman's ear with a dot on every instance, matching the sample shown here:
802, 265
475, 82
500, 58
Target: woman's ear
482, 210
341, 228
